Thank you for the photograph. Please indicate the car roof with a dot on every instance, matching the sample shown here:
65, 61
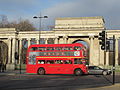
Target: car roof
93, 66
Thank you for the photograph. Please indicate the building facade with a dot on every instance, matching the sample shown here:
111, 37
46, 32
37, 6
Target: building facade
67, 30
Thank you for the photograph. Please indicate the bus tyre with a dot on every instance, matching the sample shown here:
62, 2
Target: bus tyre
78, 72
41, 71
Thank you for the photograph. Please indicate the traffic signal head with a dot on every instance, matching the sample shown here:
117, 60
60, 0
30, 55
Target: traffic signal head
102, 38
103, 47
102, 35
107, 45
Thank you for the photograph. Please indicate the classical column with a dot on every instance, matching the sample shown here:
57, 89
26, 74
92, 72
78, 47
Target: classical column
28, 41
65, 39
37, 40
61, 41
20, 49
9, 50
13, 51
107, 58
46, 40
68, 41
17, 45
56, 40
101, 56
116, 51
91, 50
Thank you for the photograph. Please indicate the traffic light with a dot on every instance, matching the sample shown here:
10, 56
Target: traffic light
102, 38
107, 45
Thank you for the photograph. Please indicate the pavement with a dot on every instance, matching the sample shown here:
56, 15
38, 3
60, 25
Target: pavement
116, 86
112, 87
13, 72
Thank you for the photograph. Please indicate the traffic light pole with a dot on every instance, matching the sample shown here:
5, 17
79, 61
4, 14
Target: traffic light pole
105, 45
113, 60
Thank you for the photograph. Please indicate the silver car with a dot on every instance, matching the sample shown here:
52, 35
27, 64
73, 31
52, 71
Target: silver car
98, 70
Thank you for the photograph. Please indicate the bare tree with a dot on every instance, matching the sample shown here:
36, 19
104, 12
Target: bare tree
3, 21
21, 25
25, 25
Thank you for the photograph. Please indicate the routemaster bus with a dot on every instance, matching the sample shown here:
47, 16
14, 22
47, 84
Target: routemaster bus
56, 59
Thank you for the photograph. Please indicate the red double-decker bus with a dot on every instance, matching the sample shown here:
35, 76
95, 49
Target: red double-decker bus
56, 59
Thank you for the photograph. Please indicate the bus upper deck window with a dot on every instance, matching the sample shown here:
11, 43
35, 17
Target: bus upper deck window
68, 48
77, 48
58, 48
50, 48
34, 49
42, 48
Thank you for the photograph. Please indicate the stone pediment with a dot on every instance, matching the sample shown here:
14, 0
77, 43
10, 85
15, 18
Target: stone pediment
79, 23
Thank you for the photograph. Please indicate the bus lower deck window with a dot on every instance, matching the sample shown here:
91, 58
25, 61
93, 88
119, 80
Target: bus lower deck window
41, 61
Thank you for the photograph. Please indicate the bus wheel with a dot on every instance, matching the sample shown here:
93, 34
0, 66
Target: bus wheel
78, 72
41, 71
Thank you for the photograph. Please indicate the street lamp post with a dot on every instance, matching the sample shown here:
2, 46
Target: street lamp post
40, 17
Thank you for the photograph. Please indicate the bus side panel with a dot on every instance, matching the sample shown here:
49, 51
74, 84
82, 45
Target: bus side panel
31, 69
66, 69
49, 68
57, 68
53, 68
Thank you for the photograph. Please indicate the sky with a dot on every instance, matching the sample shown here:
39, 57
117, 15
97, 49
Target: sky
26, 9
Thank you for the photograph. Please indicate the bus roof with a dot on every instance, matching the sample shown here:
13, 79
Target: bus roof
55, 45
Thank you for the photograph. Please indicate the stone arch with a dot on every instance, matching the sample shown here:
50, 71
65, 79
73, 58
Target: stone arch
3, 54
82, 41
